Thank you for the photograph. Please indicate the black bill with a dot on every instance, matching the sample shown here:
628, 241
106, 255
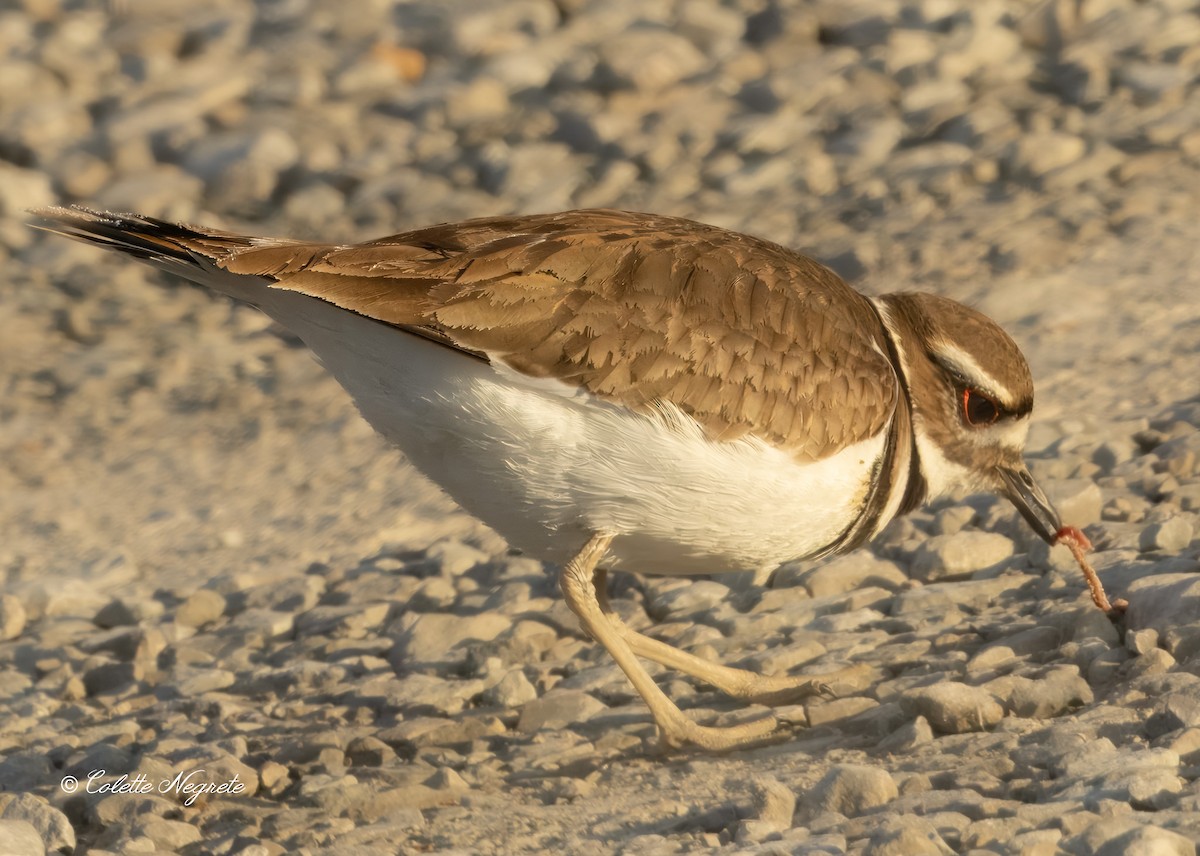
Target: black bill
1024, 493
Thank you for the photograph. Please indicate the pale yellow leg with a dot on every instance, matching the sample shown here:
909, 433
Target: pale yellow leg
675, 729
738, 683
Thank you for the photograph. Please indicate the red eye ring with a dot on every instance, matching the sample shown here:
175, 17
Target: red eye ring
979, 409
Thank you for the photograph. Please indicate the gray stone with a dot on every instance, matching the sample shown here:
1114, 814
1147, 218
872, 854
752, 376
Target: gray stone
1154, 662
1078, 501
1170, 536
949, 556
842, 574
559, 709
1056, 692
112, 677
684, 598
364, 751
952, 520
954, 708
454, 558
255, 626
1174, 712
203, 607
22, 189
437, 640
1141, 776
352, 620
1051, 558
419, 692
1005, 650
51, 825
1153, 82
118, 613
295, 595
433, 595
1149, 841
906, 835
22, 772
192, 681
851, 790
1037, 154
649, 58
167, 834
1163, 602
774, 804
20, 838
274, 777
513, 690
908, 736
1111, 453
446, 779
125, 808
1183, 641
12, 617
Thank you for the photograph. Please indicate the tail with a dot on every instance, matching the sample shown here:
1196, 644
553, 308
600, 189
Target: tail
193, 252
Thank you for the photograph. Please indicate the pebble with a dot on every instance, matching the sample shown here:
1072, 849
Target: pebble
51, 825
841, 575
23, 189
684, 598
201, 608
1079, 501
559, 708
20, 839
440, 640
1019, 645
512, 691
112, 677
455, 558
1170, 536
167, 834
908, 736
850, 790
649, 58
1051, 694
1163, 602
954, 708
907, 835
773, 807
1173, 713
123, 613
1119, 836
12, 617
952, 556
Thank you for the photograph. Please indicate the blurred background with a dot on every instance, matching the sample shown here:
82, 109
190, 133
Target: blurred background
840, 127
1011, 153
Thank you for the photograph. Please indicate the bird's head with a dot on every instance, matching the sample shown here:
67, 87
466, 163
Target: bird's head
972, 395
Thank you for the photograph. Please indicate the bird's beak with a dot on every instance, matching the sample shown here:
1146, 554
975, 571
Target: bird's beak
1025, 494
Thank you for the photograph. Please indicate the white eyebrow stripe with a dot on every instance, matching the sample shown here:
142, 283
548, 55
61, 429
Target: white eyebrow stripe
963, 363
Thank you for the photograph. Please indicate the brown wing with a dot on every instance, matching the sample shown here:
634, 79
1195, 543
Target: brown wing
744, 335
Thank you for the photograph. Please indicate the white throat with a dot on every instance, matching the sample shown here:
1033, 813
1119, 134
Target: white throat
942, 475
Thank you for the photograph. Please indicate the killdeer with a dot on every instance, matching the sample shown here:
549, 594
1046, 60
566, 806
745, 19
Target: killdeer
610, 390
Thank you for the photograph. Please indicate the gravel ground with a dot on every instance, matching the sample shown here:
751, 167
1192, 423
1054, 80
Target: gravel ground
214, 574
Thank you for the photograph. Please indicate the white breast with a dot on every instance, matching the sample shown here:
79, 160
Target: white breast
545, 466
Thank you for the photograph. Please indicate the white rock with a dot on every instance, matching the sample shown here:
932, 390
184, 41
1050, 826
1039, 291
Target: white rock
948, 556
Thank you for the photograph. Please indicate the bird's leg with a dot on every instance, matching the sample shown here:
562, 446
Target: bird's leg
738, 683
675, 729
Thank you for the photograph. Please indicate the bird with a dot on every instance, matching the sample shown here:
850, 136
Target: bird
611, 390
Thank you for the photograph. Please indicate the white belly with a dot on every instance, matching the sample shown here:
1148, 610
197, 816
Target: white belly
546, 466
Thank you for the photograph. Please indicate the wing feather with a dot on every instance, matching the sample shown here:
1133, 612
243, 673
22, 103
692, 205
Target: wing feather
746, 337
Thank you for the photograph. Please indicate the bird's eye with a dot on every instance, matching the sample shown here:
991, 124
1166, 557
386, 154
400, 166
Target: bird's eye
979, 409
